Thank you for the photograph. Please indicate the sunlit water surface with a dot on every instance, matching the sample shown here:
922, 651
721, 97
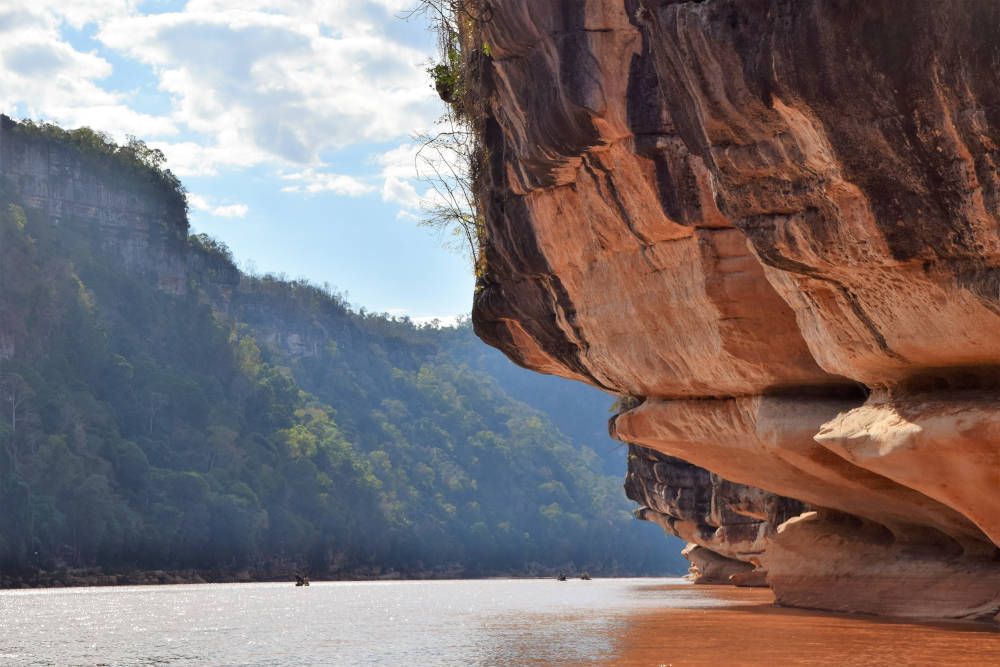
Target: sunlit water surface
426, 623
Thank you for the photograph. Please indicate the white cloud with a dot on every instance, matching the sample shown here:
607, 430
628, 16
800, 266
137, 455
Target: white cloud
312, 182
400, 192
203, 204
400, 162
400, 178
238, 84
290, 80
79, 13
197, 202
231, 211
45, 77
188, 158
406, 171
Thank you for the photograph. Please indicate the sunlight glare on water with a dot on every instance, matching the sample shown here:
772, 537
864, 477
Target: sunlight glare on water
487, 622
387, 623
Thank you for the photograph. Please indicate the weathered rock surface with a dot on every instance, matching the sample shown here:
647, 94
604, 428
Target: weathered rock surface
80, 191
708, 567
841, 563
727, 526
777, 223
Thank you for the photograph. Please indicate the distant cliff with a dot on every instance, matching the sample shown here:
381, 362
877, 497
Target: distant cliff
163, 411
773, 225
72, 178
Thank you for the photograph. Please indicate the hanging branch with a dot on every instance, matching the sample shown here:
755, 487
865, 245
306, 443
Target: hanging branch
449, 157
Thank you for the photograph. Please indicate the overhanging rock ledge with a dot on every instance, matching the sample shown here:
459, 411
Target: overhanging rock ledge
774, 225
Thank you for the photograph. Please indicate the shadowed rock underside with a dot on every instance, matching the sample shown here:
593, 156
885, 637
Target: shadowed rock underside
774, 225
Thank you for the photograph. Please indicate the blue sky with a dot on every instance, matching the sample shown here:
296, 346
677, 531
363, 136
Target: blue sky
291, 123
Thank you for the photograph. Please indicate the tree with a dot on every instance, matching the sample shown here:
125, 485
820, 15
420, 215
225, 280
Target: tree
444, 162
15, 391
137, 150
155, 402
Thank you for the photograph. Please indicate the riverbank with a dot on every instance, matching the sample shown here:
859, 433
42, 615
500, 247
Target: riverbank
79, 577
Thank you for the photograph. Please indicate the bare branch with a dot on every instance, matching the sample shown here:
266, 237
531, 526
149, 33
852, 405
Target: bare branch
448, 157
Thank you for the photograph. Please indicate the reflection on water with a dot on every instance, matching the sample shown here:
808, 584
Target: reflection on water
750, 631
495, 622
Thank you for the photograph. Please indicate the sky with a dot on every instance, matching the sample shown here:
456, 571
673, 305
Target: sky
290, 122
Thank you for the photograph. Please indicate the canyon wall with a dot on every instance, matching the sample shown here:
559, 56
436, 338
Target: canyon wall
773, 225
98, 197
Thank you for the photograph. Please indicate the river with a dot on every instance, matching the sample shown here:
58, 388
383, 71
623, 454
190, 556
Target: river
486, 622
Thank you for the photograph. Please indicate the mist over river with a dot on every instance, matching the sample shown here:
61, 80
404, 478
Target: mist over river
485, 622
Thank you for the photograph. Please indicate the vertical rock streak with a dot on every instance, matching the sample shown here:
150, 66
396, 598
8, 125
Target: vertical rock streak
776, 223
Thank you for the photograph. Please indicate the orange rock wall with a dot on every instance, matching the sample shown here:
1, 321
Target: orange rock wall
775, 224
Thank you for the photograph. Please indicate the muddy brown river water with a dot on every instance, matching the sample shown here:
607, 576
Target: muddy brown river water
750, 630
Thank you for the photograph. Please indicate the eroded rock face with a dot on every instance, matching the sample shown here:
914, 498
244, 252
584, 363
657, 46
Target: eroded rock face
132, 222
776, 224
727, 525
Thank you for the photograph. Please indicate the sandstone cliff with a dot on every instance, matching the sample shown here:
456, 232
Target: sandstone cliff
774, 225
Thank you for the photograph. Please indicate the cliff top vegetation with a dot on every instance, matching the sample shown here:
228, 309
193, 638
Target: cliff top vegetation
133, 158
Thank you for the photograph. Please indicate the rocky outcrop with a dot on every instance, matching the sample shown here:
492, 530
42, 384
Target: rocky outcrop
727, 526
100, 199
775, 223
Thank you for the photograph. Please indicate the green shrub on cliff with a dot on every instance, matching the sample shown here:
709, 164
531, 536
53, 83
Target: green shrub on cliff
447, 77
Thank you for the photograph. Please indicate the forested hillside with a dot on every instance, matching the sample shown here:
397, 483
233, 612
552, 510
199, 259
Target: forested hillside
163, 411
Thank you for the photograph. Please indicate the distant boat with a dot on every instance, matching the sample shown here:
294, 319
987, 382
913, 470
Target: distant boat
301, 581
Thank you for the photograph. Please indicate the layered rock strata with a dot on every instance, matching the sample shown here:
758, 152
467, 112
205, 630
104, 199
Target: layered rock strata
775, 223
91, 193
727, 526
